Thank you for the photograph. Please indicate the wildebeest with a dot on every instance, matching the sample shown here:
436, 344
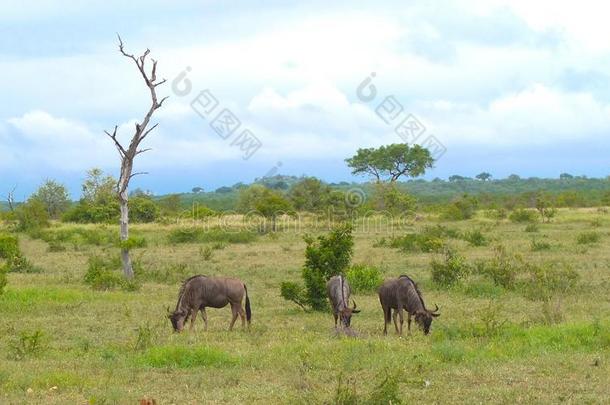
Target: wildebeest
338, 291
402, 293
199, 292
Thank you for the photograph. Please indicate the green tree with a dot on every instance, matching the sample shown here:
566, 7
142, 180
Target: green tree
54, 196
484, 176
388, 197
391, 162
32, 215
325, 256
310, 194
170, 205
272, 204
249, 196
98, 188
545, 207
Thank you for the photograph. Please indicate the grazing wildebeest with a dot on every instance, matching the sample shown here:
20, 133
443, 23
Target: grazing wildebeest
199, 292
402, 293
338, 291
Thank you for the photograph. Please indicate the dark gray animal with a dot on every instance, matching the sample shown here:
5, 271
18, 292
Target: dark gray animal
338, 291
199, 292
402, 293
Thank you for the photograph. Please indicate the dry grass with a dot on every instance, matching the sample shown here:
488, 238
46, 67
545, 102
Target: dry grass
91, 347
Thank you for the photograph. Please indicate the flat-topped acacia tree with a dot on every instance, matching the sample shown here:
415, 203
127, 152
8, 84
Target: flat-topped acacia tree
129, 153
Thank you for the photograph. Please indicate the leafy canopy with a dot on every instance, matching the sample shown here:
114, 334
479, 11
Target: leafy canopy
391, 162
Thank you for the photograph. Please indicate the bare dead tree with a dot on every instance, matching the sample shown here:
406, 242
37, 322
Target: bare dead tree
128, 154
10, 199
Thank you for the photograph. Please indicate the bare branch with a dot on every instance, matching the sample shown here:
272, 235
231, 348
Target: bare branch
137, 174
143, 150
148, 131
116, 142
160, 83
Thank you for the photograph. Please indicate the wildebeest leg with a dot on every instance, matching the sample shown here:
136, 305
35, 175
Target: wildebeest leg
204, 315
193, 317
401, 320
409, 322
394, 315
242, 315
336, 317
235, 311
387, 318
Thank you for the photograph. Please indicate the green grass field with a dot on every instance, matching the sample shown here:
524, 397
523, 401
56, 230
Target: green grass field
62, 342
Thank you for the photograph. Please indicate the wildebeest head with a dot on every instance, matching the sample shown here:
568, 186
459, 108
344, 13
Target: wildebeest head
424, 318
346, 314
178, 318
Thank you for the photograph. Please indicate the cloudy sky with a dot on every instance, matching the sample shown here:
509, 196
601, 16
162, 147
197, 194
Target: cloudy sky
502, 86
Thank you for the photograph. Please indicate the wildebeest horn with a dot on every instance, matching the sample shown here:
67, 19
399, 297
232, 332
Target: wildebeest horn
435, 309
355, 306
168, 310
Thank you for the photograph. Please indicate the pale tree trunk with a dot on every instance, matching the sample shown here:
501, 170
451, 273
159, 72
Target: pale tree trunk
124, 221
128, 154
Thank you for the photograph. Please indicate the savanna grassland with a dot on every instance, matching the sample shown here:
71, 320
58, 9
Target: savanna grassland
532, 339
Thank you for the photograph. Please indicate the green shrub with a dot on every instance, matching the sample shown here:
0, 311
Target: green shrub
325, 256
19, 264
3, 278
26, 345
291, 291
32, 215
530, 228
145, 338
9, 246
587, 238
206, 253
461, 208
451, 270
133, 242
522, 215
363, 278
476, 238
430, 239
104, 274
538, 246
200, 235
93, 213
387, 392
502, 269
143, 210
547, 279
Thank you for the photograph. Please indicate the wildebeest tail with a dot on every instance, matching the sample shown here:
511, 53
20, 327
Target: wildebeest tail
248, 309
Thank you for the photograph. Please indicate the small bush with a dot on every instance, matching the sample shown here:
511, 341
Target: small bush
596, 223
461, 209
363, 278
587, 238
413, 242
9, 246
451, 270
3, 279
346, 392
522, 215
476, 238
387, 392
19, 264
145, 338
194, 235
538, 246
547, 279
133, 242
104, 274
32, 215
26, 345
291, 291
184, 235
502, 269
531, 228
206, 253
